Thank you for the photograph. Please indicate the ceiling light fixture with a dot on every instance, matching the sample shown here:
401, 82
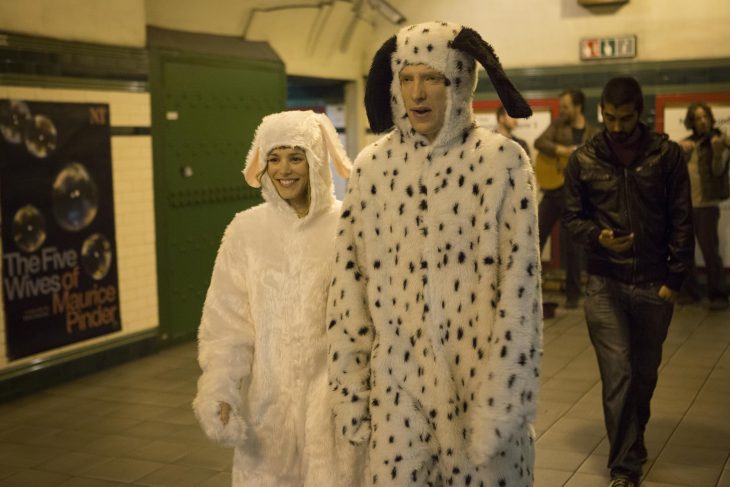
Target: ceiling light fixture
387, 11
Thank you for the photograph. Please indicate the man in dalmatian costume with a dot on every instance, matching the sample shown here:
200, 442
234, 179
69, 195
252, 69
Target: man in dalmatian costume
434, 313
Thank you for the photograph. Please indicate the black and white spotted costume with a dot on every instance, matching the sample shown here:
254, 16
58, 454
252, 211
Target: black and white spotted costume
434, 313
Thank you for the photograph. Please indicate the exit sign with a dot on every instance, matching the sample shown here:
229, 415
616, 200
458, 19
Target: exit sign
607, 48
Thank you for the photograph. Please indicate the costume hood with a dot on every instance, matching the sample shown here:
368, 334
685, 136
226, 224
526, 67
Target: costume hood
450, 49
310, 131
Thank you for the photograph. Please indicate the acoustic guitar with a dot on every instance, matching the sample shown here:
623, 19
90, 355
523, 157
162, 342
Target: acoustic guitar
550, 170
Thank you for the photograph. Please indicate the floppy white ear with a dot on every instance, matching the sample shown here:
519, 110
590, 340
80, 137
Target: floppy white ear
336, 152
253, 165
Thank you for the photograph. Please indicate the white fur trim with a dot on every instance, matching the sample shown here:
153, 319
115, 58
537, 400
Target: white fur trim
316, 135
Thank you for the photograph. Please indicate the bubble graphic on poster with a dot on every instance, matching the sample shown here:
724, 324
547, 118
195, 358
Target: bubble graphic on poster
40, 136
75, 197
96, 256
29, 228
14, 117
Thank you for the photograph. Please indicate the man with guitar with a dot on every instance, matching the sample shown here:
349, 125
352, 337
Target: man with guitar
554, 146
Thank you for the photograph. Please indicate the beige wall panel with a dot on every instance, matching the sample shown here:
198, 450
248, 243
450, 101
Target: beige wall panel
325, 42
115, 22
530, 33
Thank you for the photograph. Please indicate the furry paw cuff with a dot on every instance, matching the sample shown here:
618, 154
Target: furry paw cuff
352, 420
488, 436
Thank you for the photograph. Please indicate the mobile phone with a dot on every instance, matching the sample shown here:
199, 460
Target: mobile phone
618, 232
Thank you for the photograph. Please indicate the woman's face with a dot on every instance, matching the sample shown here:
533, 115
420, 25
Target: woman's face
288, 169
702, 123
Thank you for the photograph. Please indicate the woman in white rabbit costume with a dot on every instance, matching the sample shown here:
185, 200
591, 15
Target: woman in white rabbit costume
262, 347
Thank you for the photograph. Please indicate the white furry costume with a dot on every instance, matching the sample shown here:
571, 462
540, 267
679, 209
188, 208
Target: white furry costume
262, 335
434, 314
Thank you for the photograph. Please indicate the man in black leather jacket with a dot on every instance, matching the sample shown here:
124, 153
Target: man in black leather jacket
627, 199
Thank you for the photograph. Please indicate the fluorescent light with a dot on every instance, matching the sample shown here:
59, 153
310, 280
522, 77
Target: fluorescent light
387, 11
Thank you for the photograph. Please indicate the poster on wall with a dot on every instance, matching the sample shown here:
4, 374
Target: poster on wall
59, 265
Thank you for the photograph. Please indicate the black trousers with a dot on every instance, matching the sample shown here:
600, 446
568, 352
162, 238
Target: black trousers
705, 222
548, 213
627, 324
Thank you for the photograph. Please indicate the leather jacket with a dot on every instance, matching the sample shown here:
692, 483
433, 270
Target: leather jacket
650, 198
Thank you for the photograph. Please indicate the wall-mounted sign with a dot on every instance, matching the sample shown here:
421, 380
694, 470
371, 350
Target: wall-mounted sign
593, 48
59, 256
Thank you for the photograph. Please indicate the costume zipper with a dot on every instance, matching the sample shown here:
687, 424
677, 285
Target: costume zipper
631, 227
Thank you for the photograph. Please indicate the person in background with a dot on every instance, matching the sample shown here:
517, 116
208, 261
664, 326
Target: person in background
569, 131
707, 152
627, 200
505, 126
261, 340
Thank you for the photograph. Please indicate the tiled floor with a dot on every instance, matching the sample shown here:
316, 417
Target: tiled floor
132, 425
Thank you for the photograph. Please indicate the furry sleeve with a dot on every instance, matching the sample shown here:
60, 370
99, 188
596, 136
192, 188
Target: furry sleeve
225, 346
349, 324
509, 399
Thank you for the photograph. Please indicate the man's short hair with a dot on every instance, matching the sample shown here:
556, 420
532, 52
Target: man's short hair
576, 97
622, 90
689, 119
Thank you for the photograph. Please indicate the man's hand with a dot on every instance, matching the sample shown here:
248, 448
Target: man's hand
667, 294
225, 412
717, 144
687, 145
564, 150
618, 244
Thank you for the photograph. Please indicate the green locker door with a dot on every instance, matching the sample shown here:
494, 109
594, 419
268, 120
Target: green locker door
205, 110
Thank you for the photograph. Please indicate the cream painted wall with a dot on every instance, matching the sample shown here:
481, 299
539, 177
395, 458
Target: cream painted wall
529, 33
115, 22
324, 42
524, 32
133, 211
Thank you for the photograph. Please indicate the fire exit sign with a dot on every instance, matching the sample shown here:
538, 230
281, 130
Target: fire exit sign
607, 48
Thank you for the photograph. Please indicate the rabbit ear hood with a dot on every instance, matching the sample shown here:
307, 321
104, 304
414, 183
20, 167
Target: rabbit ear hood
312, 132
452, 50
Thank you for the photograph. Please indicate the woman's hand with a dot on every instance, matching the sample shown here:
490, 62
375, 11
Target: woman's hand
224, 412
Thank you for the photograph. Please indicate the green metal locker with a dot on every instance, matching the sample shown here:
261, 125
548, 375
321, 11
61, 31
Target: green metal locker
208, 95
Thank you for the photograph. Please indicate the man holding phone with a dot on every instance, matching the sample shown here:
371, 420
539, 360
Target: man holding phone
627, 199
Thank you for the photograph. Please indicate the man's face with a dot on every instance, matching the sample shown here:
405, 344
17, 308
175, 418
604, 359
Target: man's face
620, 120
568, 111
508, 122
701, 122
424, 95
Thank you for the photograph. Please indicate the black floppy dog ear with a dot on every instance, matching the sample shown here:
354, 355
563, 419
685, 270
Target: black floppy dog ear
377, 89
470, 42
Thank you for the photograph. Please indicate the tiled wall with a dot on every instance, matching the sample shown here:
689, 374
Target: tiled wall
133, 209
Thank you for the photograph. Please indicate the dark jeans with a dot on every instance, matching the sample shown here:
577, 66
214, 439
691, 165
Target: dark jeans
705, 223
627, 324
549, 212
